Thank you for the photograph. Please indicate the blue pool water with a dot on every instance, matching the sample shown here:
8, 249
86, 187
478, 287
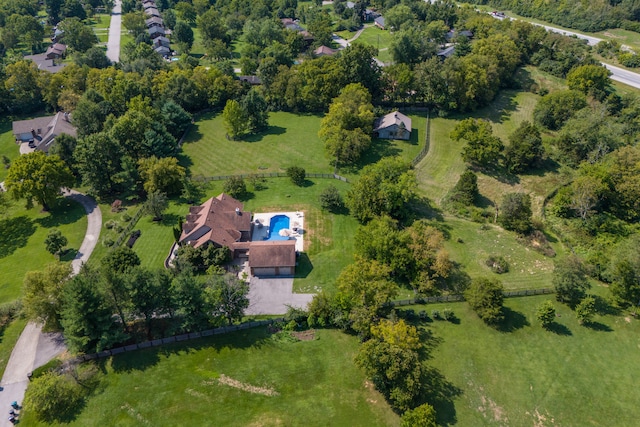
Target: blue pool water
277, 223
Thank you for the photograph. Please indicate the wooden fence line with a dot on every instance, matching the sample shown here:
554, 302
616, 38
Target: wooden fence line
458, 297
128, 228
268, 175
178, 338
427, 141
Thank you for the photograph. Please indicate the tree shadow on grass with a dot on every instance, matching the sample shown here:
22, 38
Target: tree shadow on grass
604, 307
304, 266
141, 360
379, 148
597, 326
14, 234
441, 395
170, 220
65, 212
69, 255
559, 329
271, 130
423, 208
513, 321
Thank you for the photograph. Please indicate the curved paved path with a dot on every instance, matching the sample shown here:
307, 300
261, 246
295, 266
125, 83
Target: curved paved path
35, 348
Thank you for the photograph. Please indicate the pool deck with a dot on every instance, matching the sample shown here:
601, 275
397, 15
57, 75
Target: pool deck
297, 221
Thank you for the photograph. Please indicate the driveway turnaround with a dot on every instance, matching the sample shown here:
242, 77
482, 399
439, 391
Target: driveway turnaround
115, 28
273, 295
35, 348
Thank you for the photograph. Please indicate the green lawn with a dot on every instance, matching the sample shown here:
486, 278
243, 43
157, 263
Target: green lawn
8, 339
317, 384
8, 146
374, 36
290, 140
528, 269
526, 376
22, 235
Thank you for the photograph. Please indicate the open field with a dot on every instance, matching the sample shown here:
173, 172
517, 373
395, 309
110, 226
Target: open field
374, 36
290, 140
8, 145
100, 24
524, 375
22, 235
247, 378
528, 269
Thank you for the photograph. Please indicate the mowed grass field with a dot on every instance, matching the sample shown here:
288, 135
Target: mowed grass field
305, 383
22, 236
8, 146
524, 375
291, 140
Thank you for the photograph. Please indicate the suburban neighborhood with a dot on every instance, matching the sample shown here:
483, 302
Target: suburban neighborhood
312, 213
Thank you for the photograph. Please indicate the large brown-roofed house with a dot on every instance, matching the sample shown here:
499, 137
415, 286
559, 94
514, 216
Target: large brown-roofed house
393, 126
276, 258
220, 221
41, 132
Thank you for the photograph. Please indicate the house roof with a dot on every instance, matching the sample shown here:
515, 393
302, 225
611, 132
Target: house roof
155, 30
394, 118
152, 11
253, 80
324, 51
162, 50
220, 220
46, 64
447, 52
56, 49
48, 127
380, 21
154, 20
277, 253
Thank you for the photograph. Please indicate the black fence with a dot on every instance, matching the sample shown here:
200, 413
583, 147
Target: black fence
458, 297
427, 140
268, 175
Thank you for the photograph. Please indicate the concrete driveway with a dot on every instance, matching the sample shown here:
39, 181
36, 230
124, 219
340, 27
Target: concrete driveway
272, 296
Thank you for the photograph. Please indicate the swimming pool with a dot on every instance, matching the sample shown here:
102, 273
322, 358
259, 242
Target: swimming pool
277, 223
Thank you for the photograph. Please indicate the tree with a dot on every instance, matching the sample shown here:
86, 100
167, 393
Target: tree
410, 46
481, 148
156, 204
98, 159
465, 192
384, 188
235, 119
77, 36
624, 272
21, 84
42, 299
546, 313
589, 79
392, 358
586, 309
228, 296
570, 280
135, 24
86, 317
297, 175
120, 260
175, 118
525, 148
145, 294
164, 175
235, 186
421, 416
346, 129
331, 200
64, 147
398, 16
192, 306
183, 34
55, 242
256, 110
586, 192
52, 397
38, 176
485, 297
554, 109
515, 212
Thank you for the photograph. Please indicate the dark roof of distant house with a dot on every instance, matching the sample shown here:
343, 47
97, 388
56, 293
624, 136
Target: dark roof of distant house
254, 80
277, 253
447, 52
220, 220
380, 21
49, 128
351, 4
394, 118
324, 50
153, 20
57, 49
45, 64
162, 50
156, 30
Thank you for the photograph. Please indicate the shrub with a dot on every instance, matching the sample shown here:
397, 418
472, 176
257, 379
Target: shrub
447, 314
485, 297
515, 212
110, 224
297, 175
422, 416
256, 182
546, 313
117, 228
435, 314
497, 264
331, 200
126, 217
108, 242
586, 309
52, 397
235, 186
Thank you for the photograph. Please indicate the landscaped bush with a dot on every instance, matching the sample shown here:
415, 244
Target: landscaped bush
297, 175
435, 314
235, 186
497, 264
126, 217
108, 242
110, 224
53, 397
447, 314
331, 200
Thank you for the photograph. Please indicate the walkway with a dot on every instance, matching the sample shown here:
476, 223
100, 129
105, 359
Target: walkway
115, 29
35, 348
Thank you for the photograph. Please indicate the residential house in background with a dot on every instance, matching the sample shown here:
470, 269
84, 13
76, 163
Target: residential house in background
40, 133
393, 126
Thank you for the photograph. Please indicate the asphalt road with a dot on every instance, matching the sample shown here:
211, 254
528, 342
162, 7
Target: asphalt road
618, 74
35, 348
115, 28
